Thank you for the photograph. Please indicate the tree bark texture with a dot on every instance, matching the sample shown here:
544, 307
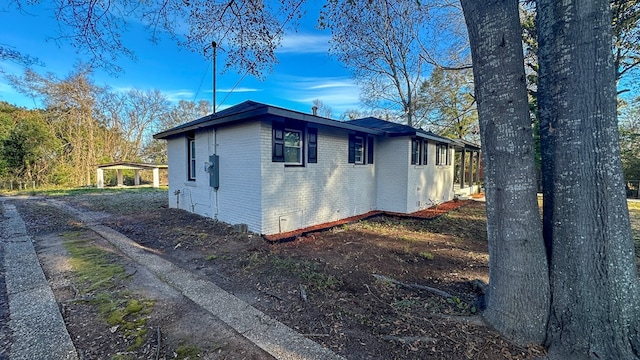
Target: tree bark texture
593, 277
518, 295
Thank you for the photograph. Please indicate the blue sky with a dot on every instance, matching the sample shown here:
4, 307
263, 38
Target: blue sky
305, 71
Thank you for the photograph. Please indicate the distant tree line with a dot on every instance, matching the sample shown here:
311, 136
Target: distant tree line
82, 125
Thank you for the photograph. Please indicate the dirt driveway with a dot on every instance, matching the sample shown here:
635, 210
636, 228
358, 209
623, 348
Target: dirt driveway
321, 285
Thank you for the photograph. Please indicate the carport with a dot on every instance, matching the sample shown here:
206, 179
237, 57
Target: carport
136, 167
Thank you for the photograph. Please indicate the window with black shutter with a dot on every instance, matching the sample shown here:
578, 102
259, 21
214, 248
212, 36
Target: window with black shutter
312, 145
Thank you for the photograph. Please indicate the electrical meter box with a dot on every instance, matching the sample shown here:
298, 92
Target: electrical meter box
214, 171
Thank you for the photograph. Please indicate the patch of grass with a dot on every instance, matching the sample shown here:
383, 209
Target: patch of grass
121, 201
122, 357
462, 305
426, 255
403, 304
256, 259
307, 271
94, 267
408, 238
211, 257
188, 351
98, 272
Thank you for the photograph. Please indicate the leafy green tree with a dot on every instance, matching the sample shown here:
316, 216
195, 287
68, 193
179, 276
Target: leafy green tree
71, 107
447, 99
8, 120
29, 151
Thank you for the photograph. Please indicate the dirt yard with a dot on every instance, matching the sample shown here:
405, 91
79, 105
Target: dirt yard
323, 285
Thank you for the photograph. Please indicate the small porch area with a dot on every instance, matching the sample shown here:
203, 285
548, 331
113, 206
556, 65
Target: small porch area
468, 169
119, 167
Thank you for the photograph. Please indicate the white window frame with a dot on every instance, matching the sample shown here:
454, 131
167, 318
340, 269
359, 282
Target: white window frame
358, 143
191, 155
299, 147
442, 154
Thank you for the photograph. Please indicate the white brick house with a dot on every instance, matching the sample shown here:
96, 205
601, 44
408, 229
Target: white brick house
278, 170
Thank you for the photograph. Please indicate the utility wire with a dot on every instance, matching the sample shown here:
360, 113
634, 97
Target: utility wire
281, 30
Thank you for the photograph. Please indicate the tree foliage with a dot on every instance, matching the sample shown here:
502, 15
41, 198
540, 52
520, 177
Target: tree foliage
449, 104
28, 148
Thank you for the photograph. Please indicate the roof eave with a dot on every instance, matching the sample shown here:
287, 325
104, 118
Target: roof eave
464, 144
245, 115
322, 121
266, 110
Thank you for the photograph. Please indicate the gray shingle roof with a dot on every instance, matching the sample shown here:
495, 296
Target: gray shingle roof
251, 111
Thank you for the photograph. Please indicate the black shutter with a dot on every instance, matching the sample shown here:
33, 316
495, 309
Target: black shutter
312, 145
446, 146
352, 149
370, 150
277, 154
424, 152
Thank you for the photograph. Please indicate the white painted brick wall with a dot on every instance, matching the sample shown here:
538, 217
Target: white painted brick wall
194, 196
429, 184
392, 161
239, 191
258, 192
329, 190
240, 151
177, 167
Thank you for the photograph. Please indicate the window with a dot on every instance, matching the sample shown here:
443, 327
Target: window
293, 147
415, 151
359, 150
288, 145
418, 152
442, 154
191, 155
312, 145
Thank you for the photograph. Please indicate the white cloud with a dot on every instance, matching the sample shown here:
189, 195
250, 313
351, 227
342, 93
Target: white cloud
177, 95
304, 44
339, 93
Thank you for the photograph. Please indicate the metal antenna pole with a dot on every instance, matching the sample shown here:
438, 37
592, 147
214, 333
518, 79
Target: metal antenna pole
213, 44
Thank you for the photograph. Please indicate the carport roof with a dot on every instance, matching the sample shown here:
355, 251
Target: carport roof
123, 165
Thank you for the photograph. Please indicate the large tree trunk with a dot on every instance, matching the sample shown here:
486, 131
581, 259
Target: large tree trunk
594, 281
518, 297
